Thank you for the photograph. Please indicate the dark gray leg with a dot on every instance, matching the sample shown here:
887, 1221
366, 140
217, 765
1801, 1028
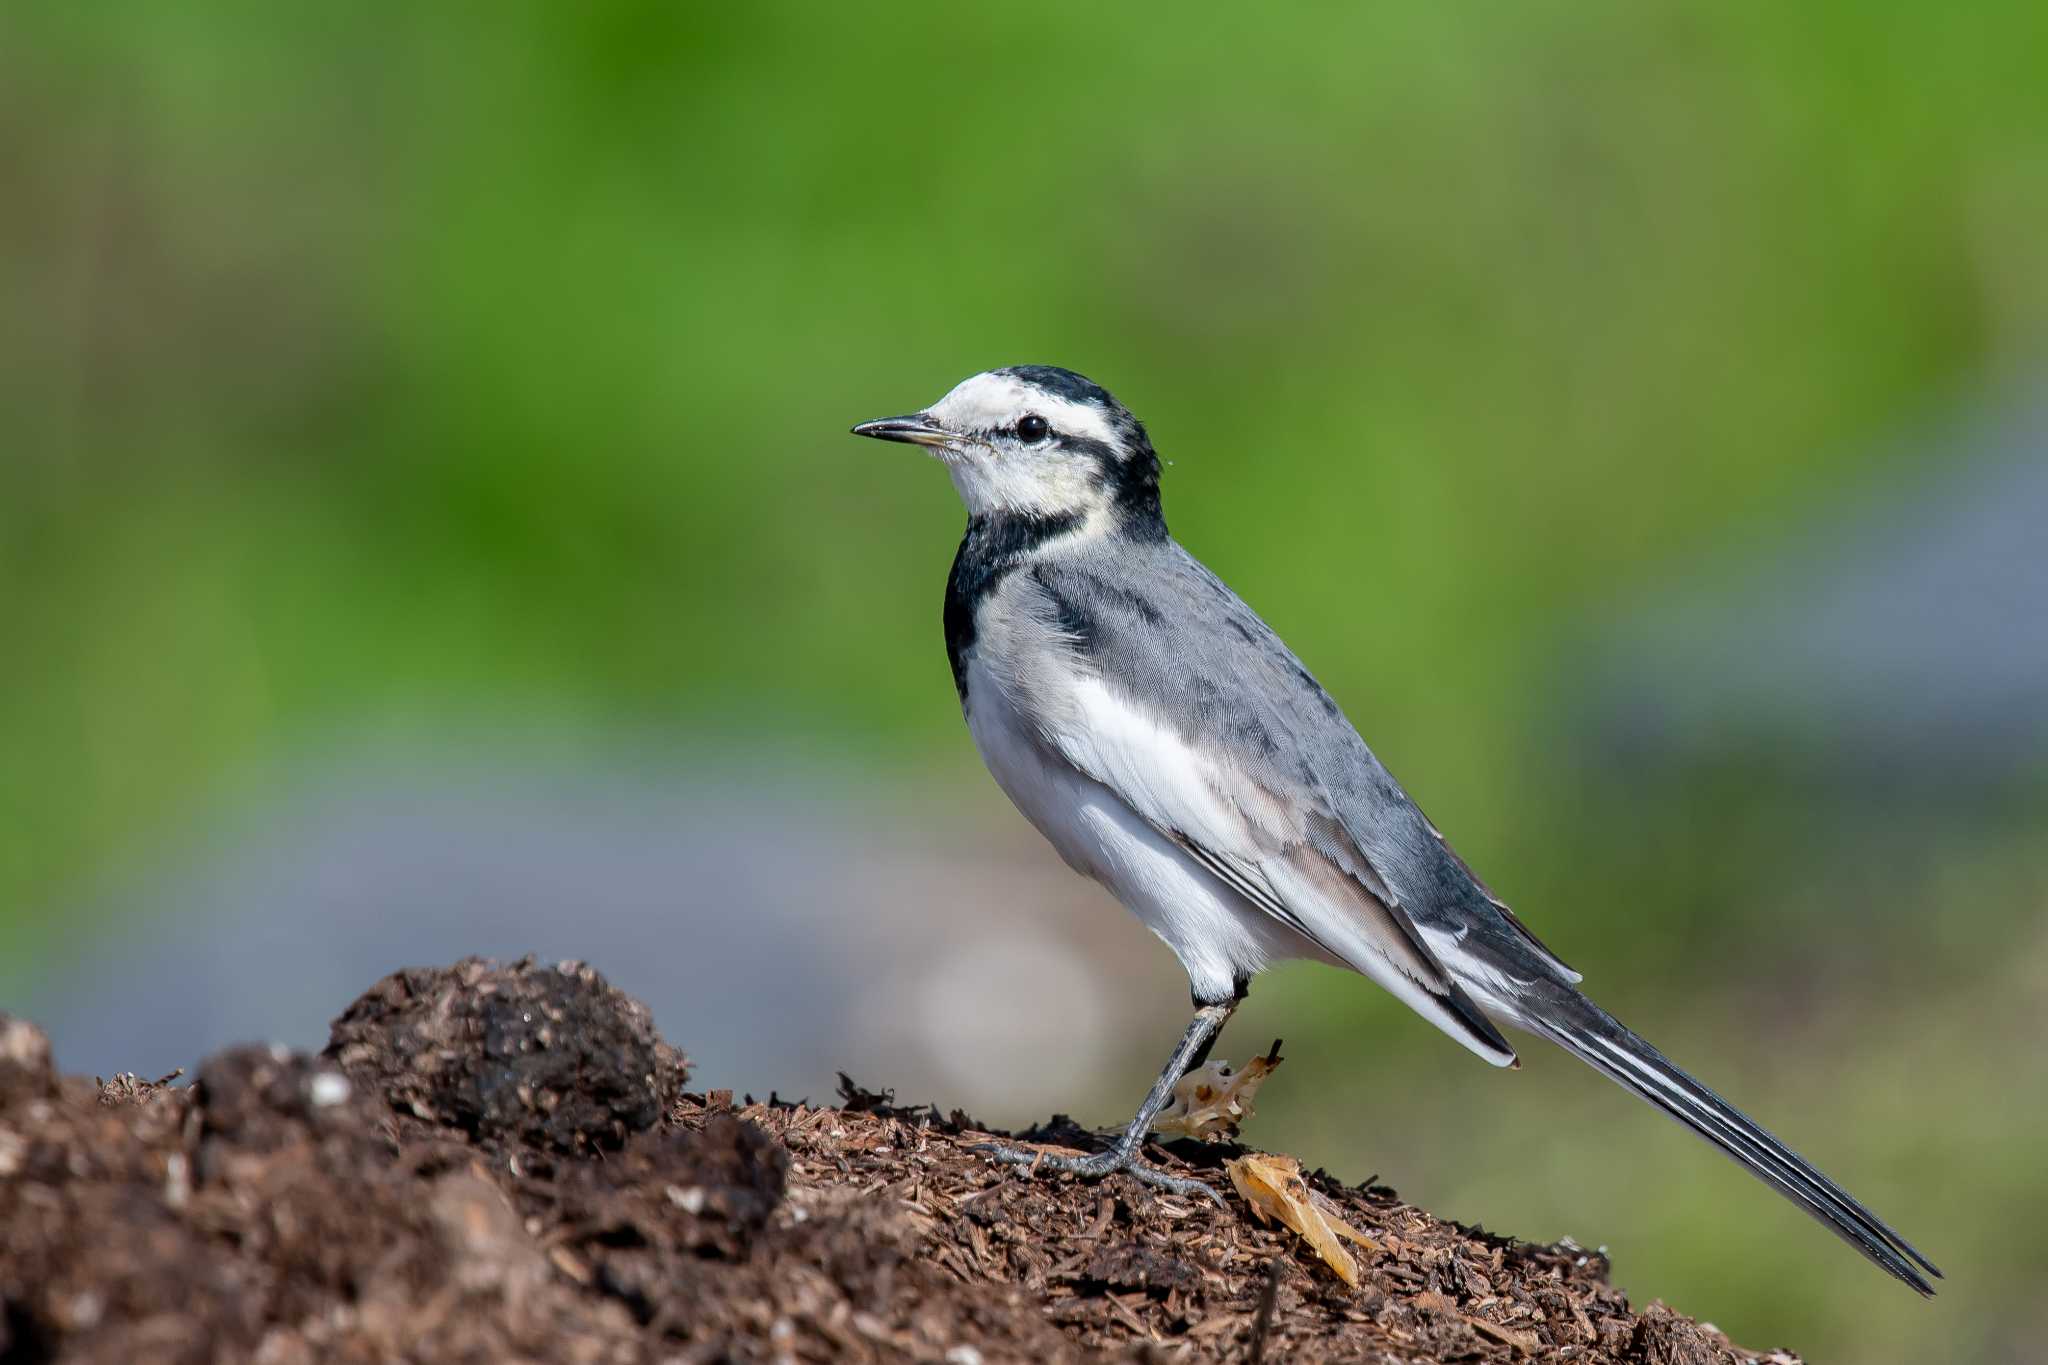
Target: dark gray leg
1194, 1045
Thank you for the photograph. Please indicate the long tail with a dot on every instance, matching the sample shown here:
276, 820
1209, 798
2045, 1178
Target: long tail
1604, 1043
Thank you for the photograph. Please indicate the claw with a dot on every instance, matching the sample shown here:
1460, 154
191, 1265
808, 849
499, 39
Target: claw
1096, 1166
1194, 1044
1187, 1187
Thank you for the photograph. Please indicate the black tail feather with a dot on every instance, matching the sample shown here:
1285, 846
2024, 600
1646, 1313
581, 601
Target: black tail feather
1597, 1038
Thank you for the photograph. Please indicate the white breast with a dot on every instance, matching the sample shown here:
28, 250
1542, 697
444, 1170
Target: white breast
1219, 937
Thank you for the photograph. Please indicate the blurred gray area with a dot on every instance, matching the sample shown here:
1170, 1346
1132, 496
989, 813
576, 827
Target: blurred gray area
1905, 630
781, 927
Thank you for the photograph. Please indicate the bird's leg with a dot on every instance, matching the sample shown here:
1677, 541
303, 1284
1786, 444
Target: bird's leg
1194, 1046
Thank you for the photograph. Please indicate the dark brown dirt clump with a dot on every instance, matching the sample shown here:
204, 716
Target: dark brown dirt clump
552, 1057
497, 1163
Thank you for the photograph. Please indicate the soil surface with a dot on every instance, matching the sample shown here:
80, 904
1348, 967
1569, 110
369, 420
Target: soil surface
503, 1164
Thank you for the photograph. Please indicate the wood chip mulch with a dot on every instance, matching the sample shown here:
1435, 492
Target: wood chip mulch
1121, 1271
502, 1163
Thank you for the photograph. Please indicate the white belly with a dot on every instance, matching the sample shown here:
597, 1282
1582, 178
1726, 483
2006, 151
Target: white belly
1219, 937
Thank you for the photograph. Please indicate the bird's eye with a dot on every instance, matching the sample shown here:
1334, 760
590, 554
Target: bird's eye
1033, 428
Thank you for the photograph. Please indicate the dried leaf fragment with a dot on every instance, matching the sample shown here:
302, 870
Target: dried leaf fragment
1273, 1186
1212, 1101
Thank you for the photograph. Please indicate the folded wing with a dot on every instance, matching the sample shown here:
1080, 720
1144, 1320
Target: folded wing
1278, 846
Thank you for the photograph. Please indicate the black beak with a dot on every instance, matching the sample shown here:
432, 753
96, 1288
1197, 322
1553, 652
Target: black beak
916, 429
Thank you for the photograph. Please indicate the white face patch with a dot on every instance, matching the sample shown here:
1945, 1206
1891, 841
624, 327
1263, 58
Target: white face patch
994, 470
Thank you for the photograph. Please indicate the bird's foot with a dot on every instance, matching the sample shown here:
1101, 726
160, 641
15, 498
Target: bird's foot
1116, 1160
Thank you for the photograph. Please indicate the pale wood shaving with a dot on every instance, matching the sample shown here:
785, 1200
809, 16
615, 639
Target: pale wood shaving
1211, 1102
1273, 1187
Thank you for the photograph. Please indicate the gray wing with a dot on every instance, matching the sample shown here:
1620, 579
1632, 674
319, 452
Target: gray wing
1207, 725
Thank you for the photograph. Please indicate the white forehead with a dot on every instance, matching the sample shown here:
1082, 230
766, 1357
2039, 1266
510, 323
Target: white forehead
994, 400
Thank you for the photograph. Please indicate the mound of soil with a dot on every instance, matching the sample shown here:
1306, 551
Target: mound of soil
501, 1163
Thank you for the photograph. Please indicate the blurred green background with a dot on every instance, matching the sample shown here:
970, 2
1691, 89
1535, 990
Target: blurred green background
396, 370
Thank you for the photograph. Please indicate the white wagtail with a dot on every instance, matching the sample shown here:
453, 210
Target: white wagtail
1171, 747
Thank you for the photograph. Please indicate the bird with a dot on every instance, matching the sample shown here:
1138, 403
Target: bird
1170, 746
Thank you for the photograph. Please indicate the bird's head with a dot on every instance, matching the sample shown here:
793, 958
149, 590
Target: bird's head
1039, 441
